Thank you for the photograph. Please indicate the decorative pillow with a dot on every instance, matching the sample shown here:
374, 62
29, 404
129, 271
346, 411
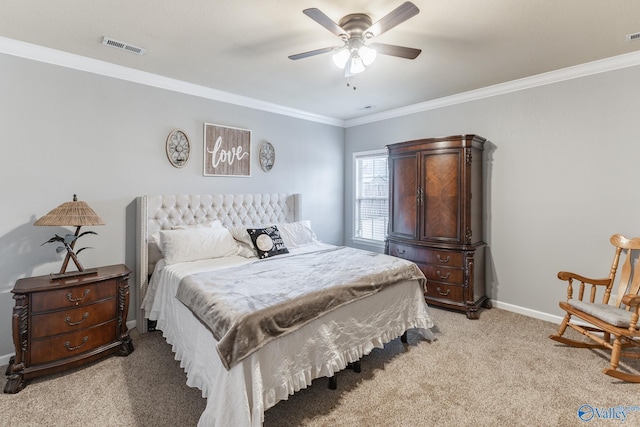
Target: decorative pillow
294, 234
267, 241
192, 244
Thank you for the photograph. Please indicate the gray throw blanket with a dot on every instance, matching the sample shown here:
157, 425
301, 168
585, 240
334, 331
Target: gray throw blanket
248, 306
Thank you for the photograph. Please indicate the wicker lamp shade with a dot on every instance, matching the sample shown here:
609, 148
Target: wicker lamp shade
75, 213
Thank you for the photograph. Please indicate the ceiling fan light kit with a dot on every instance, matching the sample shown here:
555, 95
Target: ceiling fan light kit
355, 30
354, 57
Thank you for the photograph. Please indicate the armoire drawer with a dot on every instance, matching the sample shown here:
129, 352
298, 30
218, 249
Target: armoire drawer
427, 255
412, 253
442, 274
443, 291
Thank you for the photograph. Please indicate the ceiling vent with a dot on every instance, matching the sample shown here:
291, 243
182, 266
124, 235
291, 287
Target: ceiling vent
122, 46
632, 37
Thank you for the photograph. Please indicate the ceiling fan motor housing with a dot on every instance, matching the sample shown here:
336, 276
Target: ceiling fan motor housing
356, 24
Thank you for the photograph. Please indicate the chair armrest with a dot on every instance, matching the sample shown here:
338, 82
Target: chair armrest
631, 300
566, 275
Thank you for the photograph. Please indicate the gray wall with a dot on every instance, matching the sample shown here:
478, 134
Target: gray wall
66, 131
560, 170
561, 173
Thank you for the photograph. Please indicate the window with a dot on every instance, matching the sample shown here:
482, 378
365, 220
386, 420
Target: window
371, 210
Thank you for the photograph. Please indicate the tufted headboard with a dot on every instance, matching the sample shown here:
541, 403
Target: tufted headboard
155, 213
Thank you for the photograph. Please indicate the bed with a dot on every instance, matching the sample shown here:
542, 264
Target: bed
241, 388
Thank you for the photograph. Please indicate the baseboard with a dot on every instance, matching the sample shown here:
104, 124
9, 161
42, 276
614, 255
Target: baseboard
527, 312
4, 360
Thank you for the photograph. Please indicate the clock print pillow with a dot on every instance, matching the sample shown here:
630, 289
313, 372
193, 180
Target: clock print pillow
267, 241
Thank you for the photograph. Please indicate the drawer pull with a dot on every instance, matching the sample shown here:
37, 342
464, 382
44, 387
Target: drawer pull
443, 260
67, 345
400, 251
444, 294
443, 276
77, 300
70, 323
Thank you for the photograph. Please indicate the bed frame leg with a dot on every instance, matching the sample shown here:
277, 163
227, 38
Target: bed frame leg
333, 381
357, 368
151, 325
403, 337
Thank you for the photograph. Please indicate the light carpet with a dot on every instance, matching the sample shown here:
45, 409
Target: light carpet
498, 370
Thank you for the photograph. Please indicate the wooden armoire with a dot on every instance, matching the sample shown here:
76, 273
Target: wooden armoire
436, 217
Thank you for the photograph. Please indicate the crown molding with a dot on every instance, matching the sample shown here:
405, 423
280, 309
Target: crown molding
82, 63
90, 65
601, 66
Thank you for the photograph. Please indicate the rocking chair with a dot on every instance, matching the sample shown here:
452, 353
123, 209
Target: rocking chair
609, 326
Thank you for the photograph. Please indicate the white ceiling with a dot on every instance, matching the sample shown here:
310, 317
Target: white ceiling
241, 46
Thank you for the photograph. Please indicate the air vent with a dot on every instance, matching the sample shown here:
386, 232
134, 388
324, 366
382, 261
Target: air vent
632, 37
122, 46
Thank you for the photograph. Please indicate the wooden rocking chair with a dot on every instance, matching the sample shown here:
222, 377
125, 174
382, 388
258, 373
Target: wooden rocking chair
610, 326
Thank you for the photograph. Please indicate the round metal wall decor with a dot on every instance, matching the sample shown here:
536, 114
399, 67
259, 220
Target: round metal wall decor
267, 156
178, 148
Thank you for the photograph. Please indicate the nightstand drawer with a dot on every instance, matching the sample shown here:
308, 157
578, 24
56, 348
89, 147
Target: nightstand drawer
68, 345
72, 296
443, 291
60, 322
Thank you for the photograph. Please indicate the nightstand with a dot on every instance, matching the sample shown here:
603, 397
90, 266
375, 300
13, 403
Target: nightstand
66, 323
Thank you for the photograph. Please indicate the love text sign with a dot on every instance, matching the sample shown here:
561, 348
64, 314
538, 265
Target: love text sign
227, 151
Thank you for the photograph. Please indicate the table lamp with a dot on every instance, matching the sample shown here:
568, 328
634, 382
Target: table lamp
76, 214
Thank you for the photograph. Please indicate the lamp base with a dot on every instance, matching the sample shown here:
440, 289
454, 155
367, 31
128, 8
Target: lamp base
61, 276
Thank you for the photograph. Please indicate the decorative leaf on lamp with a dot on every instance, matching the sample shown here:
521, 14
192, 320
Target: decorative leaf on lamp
67, 241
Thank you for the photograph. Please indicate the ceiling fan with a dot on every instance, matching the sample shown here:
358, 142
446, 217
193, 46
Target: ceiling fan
356, 30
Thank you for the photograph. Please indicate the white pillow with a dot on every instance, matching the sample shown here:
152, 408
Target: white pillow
297, 234
294, 234
192, 244
155, 237
214, 223
241, 235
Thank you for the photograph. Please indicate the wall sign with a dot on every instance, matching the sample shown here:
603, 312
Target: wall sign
227, 151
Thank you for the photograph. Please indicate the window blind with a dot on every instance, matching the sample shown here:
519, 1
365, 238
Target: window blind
371, 196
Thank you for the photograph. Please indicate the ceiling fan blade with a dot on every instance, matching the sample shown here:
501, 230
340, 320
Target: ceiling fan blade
325, 21
393, 50
397, 16
312, 53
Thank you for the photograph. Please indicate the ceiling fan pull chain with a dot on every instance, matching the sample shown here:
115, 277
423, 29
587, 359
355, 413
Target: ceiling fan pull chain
349, 83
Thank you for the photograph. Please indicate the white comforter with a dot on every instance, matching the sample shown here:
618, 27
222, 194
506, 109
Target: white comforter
240, 396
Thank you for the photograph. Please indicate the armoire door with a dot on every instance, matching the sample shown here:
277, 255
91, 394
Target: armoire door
403, 221
442, 216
